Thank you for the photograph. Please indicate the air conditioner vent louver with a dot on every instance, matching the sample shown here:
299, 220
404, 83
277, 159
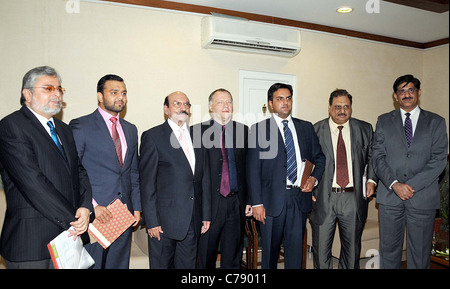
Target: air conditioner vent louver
248, 36
253, 46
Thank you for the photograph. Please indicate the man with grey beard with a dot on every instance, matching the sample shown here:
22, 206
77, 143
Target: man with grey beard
47, 188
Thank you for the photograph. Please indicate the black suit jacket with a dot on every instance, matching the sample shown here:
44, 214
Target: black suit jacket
171, 195
266, 163
43, 190
205, 137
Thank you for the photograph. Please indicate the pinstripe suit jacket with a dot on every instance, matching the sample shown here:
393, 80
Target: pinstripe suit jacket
43, 190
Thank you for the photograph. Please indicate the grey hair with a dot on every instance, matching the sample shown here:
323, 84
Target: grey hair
31, 76
211, 96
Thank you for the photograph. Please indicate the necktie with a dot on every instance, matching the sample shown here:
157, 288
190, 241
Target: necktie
341, 160
55, 138
225, 184
184, 145
408, 129
116, 140
290, 153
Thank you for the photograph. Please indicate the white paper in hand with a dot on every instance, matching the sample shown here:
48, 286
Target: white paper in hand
67, 253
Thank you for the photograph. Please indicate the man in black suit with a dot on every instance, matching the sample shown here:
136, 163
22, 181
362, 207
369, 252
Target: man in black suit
229, 198
175, 193
277, 149
47, 188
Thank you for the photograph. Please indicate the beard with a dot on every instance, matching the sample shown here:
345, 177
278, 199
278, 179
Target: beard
46, 108
112, 107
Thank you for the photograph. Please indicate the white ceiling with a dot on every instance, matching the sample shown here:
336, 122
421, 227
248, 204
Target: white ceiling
393, 20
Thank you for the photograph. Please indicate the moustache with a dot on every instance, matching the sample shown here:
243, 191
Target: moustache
406, 98
342, 114
184, 113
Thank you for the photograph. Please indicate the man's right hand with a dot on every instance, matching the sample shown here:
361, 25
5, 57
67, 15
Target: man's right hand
102, 214
259, 213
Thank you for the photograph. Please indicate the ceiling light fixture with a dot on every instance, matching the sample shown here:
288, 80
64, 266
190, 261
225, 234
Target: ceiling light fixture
344, 10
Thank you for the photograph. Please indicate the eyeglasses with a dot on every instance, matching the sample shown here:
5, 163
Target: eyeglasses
51, 88
410, 90
178, 104
339, 107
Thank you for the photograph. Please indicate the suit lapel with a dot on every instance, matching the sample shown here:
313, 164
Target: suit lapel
328, 143
38, 126
170, 135
421, 127
100, 122
397, 124
128, 138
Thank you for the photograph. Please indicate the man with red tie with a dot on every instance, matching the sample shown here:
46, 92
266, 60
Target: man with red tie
339, 199
108, 148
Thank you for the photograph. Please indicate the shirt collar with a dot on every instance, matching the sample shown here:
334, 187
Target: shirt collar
175, 127
334, 126
42, 119
279, 120
106, 116
414, 113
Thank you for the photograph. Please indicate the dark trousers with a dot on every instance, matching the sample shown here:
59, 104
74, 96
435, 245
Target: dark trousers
168, 253
41, 264
116, 256
225, 234
419, 232
287, 228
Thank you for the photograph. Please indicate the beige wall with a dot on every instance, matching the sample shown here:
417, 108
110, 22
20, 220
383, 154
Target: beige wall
158, 52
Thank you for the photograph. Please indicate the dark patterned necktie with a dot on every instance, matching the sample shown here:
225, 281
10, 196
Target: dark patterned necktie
116, 140
225, 184
291, 162
341, 161
408, 129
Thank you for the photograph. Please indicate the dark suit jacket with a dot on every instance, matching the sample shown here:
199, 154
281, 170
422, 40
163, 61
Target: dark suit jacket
171, 195
43, 191
98, 156
361, 136
204, 132
418, 166
266, 166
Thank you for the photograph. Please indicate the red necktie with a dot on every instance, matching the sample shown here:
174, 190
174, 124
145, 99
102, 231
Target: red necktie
116, 140
341, 161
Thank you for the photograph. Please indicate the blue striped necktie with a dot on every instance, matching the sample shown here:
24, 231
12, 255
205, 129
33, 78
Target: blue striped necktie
55, 138
290, 152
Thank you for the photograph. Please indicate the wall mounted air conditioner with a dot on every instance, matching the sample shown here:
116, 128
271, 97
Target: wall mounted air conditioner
247, 36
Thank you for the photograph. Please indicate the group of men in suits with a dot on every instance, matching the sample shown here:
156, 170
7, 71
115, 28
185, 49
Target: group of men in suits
195, 185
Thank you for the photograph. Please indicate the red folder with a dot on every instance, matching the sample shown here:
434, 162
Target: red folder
107, 233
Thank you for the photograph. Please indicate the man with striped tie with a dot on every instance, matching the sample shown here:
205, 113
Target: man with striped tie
278, 147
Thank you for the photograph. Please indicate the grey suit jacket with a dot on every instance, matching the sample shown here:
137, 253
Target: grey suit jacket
418, 166
361, 136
